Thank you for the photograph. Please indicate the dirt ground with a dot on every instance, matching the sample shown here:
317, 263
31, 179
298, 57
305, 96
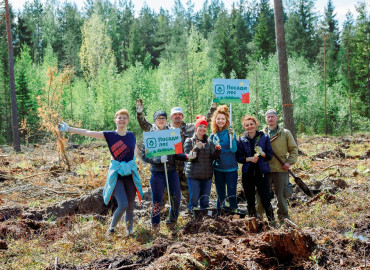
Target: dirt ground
51, 218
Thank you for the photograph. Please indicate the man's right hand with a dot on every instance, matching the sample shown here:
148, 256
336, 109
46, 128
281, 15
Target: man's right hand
63, 127
139, 105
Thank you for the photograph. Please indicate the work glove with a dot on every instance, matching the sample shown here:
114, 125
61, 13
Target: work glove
231, 132
164, 159
192, 155
259, 151
139, 105
63, 127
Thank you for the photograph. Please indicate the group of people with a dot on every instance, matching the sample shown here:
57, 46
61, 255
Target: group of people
190, 174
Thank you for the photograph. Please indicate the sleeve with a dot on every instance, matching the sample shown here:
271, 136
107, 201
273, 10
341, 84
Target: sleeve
292, 148
188, 146
234, 147
268, 149
240, 153
153, 160
210, 114
181, 157
143, 123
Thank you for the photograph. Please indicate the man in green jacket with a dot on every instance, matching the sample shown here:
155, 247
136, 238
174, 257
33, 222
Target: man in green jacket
285, 147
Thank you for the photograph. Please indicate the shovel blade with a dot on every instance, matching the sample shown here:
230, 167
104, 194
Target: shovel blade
303, 186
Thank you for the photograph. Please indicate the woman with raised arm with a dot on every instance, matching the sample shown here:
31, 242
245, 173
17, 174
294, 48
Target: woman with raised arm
123, 179
225, 167
254, 152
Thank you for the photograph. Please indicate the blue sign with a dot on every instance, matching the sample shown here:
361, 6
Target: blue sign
230, 91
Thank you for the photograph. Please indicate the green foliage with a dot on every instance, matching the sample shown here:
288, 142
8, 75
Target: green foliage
170, 58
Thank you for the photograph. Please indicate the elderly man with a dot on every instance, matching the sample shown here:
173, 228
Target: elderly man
186, 129
285, 147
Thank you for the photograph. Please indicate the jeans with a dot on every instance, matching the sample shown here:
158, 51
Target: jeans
124, 192
157, 184
229, 180
199, 190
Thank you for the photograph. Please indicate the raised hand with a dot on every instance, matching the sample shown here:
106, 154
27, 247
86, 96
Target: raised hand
139, 105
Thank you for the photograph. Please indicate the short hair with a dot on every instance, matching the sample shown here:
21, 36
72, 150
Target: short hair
222, 109
250, 117
121, 112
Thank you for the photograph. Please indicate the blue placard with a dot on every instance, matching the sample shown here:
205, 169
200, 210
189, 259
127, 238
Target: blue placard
162, 142
230, 91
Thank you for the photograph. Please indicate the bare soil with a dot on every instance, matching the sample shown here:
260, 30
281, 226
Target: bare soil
61, 215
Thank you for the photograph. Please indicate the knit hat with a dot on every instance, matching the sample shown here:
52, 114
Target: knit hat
201, 120
271, 111
176, 110
159, 113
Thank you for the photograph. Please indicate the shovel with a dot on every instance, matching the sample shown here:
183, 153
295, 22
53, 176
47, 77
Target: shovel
297, 180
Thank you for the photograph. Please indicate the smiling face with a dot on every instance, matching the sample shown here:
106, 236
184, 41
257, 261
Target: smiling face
221, 121
160, 122
201, 130
121, 121
250, 126
271, 120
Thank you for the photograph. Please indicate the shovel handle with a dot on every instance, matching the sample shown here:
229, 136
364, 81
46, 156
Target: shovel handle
282, 163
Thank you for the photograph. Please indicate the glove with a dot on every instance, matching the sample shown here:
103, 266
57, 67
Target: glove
164, 159
192, 155
231, 131
139, 106
259, 151
63, 127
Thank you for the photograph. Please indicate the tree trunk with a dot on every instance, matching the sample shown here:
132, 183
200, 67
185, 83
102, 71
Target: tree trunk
16, 142
283, 68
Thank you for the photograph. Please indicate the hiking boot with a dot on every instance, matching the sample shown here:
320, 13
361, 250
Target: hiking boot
155, 229
171, 224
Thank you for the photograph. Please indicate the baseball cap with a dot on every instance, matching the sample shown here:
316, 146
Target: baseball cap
271, 111
176, 110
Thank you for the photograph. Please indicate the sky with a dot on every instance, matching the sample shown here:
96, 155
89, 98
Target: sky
341, 6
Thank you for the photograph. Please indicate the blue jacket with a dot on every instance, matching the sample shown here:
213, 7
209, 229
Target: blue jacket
245, 149
123, 168
227, 160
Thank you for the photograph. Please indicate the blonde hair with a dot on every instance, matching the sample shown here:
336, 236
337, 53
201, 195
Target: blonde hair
222, 109
121, 112
250, 117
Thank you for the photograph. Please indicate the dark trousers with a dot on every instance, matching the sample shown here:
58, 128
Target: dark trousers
157, 184
254, 179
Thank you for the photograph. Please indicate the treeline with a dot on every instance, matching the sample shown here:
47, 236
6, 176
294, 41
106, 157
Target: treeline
169, 59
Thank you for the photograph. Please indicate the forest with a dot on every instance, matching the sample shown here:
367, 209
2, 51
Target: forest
85, 64
81, 65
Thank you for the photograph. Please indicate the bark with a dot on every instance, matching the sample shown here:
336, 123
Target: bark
283, 68
15, 131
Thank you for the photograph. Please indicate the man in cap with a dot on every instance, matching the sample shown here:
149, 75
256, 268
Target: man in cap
285, 147
186, 129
